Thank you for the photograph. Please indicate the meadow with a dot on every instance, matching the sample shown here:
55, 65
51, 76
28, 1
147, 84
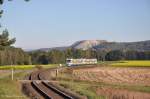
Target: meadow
134, 63
26, 67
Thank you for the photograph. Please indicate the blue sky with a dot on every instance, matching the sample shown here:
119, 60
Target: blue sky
51, 23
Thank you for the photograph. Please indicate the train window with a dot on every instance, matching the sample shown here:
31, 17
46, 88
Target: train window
68, 61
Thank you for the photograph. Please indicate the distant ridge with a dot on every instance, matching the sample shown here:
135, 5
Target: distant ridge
48, 49
137, 46
54, 48
104, 45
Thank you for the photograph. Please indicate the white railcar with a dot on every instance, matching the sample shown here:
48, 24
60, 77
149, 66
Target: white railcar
82, 61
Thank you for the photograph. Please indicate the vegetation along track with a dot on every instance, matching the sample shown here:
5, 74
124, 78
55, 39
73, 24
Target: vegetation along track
45, 89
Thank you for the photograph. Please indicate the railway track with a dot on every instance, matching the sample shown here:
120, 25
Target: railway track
45, 89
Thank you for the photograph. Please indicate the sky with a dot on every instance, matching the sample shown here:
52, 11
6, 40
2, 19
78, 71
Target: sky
52, 23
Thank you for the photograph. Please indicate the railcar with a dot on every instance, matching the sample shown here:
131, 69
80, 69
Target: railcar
75, 62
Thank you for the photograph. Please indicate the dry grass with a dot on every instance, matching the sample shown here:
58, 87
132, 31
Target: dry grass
139, 76
106, 82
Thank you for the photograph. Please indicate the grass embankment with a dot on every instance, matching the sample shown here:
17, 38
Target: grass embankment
11, 89
81, 87
88, 88
84, 89
134, 63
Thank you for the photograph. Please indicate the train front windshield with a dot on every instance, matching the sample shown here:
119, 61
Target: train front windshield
68, 61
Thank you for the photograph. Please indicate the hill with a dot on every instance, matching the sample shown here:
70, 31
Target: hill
104, 45
87, 44
138, 46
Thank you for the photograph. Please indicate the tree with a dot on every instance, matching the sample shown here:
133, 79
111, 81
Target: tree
43, 59
100, 55
56, 56
1, 3
78, 53
131, 55
69, 53
15, 56
114, 55
90, 53
8, 54
4, 39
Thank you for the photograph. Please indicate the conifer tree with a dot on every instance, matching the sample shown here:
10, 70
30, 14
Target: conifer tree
5, 40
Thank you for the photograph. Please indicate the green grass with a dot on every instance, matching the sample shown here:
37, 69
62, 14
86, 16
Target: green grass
105, 62
11, 89
134, 63
50, 66
82, 89
17, 67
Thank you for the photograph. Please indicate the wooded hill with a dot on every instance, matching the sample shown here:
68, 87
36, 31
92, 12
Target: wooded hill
104, 45
125, 46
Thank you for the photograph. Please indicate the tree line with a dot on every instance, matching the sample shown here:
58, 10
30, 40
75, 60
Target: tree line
10, 55
56, 56
16, 56
127, 55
